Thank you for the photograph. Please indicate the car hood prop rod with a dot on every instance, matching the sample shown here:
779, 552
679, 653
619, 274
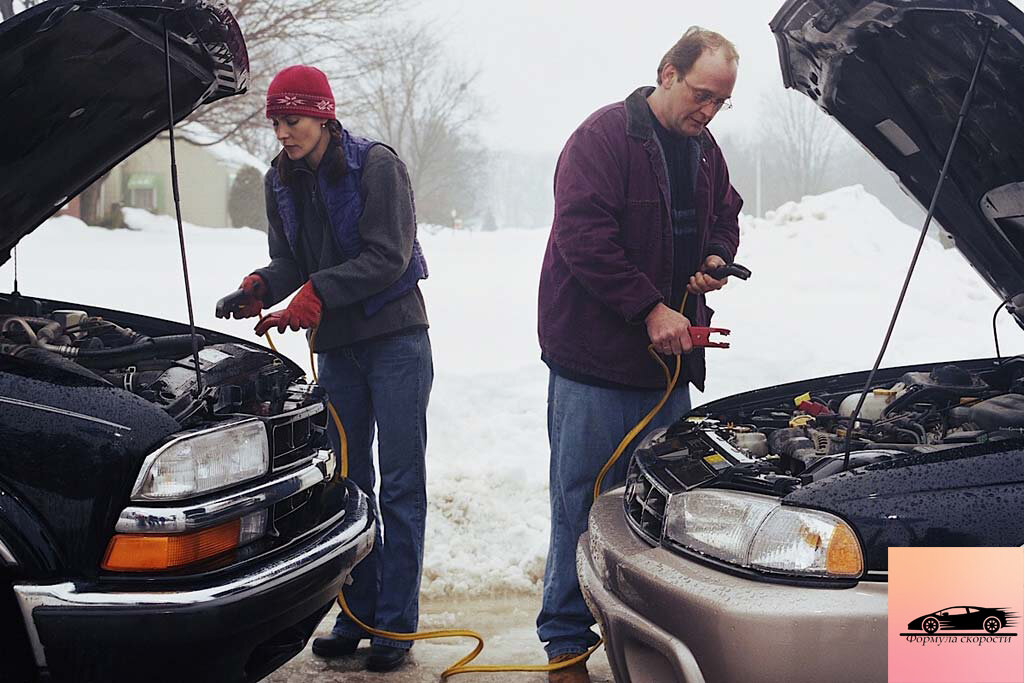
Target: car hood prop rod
177, 212
965, 108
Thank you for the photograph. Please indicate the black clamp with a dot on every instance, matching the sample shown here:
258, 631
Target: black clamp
735, 269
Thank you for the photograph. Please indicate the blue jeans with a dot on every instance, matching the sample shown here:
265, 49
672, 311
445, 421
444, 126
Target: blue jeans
585, 424
385, 384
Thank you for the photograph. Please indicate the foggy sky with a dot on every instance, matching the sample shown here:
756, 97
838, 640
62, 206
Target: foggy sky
545, 66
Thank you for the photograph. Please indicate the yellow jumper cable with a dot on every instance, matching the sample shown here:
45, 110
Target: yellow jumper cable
670, 385
462, 666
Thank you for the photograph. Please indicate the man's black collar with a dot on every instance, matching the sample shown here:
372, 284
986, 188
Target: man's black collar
640, 118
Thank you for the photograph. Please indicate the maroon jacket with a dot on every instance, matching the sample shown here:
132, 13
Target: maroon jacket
609, 256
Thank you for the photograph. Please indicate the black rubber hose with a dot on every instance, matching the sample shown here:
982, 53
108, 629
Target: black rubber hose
50, 359
170, 347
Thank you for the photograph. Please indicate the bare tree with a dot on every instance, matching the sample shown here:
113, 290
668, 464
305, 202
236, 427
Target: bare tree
798, 142
279, 33
408, 94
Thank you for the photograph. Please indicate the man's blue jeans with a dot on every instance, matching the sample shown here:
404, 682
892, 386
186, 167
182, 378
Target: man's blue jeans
585, 424
385, 383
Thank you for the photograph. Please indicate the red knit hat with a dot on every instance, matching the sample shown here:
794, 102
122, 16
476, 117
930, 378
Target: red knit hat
301, 90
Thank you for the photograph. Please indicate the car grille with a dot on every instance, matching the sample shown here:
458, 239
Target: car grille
644, 502
296, 435
294, 516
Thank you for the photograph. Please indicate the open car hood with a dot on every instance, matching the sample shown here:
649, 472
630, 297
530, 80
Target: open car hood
84, 85
894, 73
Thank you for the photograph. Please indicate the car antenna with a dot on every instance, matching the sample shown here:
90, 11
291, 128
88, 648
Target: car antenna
177, 212
965, 107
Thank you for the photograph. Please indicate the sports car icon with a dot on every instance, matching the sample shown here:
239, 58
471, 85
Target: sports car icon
964, 619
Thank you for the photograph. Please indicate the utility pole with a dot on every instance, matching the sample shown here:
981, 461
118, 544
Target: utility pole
757, 182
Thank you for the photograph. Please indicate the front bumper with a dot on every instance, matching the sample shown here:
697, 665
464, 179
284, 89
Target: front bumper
667, 617
238, 628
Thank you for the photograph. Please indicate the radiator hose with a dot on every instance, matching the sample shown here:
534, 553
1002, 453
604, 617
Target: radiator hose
144, 348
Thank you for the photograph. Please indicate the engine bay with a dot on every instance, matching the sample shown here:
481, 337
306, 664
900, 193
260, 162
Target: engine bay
776, 446
237, 378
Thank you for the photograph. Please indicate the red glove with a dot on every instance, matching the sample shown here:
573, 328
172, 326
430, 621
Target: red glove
254, 286
255, 289
303, 312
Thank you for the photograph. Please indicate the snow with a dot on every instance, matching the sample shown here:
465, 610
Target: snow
826, 274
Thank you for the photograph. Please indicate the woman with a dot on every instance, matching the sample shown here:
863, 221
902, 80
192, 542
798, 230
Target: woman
343, 232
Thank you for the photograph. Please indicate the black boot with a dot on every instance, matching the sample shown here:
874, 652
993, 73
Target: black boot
386, 658
334, 646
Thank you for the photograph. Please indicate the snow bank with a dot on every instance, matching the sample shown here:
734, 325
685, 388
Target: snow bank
827, 271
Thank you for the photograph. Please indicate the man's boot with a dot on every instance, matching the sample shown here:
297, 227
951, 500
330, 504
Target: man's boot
577, 673
333, 645
385, 657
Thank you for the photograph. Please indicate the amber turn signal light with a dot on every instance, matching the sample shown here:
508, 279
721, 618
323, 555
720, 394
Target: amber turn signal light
843, 557
143, 552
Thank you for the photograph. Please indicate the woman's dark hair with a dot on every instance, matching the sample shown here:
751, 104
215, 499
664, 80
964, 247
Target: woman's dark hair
334, 157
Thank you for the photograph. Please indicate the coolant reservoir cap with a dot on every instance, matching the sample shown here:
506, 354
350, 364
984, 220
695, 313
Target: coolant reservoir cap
801, 420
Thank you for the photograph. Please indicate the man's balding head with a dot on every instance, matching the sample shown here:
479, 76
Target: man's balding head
695, 42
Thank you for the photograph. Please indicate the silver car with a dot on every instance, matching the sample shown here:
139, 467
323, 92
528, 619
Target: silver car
750, 540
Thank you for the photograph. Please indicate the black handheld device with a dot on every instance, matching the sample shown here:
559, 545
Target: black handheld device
230, 303
728, 269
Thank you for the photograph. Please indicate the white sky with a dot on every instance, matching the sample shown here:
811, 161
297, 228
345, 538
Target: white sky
547, 65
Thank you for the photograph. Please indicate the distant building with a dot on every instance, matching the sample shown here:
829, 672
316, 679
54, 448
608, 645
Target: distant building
72, 208
205, 175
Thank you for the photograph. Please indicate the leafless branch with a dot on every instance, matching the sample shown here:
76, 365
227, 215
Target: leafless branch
408, 93
801, 140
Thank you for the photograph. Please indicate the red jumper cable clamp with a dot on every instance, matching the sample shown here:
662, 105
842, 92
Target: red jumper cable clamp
700, 336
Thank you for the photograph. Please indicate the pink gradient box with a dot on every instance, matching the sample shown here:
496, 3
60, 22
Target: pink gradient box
955, 615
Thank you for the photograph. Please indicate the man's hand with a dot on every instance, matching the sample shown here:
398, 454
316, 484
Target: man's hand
701, 283
669, 330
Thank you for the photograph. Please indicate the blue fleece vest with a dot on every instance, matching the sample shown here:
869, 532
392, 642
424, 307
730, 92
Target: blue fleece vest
344, 208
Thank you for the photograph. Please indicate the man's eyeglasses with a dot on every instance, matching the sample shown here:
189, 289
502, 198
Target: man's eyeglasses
705, 97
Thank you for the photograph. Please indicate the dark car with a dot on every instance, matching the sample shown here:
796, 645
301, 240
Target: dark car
963, 619
158, 521
741, 530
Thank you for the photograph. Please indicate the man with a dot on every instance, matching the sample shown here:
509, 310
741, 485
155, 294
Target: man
643, 206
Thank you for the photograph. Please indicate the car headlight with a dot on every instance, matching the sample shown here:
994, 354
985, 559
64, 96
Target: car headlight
205, 461
758, 532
